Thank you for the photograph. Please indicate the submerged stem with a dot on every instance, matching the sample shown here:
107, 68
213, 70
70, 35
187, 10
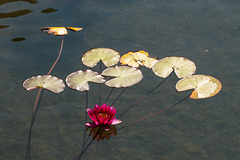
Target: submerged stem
156, 112
119, 96
85, 121
109, 94
83, 150
37, 103
34, 113
100, 85
59, 54
144, 96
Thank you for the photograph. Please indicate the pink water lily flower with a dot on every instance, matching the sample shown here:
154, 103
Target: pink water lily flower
103, 116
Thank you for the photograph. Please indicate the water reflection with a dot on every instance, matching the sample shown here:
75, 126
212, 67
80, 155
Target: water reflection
49, 10
10, 1
15, 13
19, 39
3, 26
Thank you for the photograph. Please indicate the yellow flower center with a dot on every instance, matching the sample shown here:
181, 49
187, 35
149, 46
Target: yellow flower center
103, 115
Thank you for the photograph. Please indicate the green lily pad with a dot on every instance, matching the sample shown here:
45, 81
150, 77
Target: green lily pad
79, 80
182, 67
204, 86
108, 56
48, 82
125, 76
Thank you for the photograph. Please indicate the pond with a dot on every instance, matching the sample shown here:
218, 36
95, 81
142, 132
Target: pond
206, 32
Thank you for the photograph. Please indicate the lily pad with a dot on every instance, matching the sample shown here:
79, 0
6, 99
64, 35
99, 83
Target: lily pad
125, 76
135, 59
79, 80
59, 31
204, 86
48, 82
108, 56
182, 67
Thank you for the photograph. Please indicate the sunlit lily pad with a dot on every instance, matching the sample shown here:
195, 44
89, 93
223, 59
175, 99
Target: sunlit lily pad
59, 31
125, 76
79, 80
108, 56
135, 59
48, 82
183, 67
204, 86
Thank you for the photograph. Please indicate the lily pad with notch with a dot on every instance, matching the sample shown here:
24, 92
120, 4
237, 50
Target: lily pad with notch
108, 56
204, 86
48, 82
125, 76
79, 80
182, 67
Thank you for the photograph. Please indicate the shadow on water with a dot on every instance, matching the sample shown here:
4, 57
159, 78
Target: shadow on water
10, 1
15, 13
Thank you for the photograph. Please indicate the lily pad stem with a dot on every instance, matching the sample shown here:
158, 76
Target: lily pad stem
144, 96
59, 54
35, 109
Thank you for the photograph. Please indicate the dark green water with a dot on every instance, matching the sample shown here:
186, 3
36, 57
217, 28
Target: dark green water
196, 129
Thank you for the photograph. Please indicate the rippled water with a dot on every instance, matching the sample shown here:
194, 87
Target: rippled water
206, 32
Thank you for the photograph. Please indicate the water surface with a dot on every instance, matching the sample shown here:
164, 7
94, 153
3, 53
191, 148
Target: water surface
207, 32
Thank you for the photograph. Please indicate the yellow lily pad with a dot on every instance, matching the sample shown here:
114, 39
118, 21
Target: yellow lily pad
48, 82
59, 31
108, 56
182, 67
135, 59
204, 86
79, 80
125, 76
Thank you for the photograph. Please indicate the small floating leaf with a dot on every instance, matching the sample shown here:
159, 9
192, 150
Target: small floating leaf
59, 31
135, 59
125, 76
204, 86
108, 56
79, 80
183, 67
48, 82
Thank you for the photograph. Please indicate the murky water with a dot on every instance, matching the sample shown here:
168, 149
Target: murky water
206, 32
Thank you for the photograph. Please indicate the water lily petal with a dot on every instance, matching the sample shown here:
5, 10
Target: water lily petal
48, 82
125, 76
181, 66
108, 56
116, 121
204, 86
79, 80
